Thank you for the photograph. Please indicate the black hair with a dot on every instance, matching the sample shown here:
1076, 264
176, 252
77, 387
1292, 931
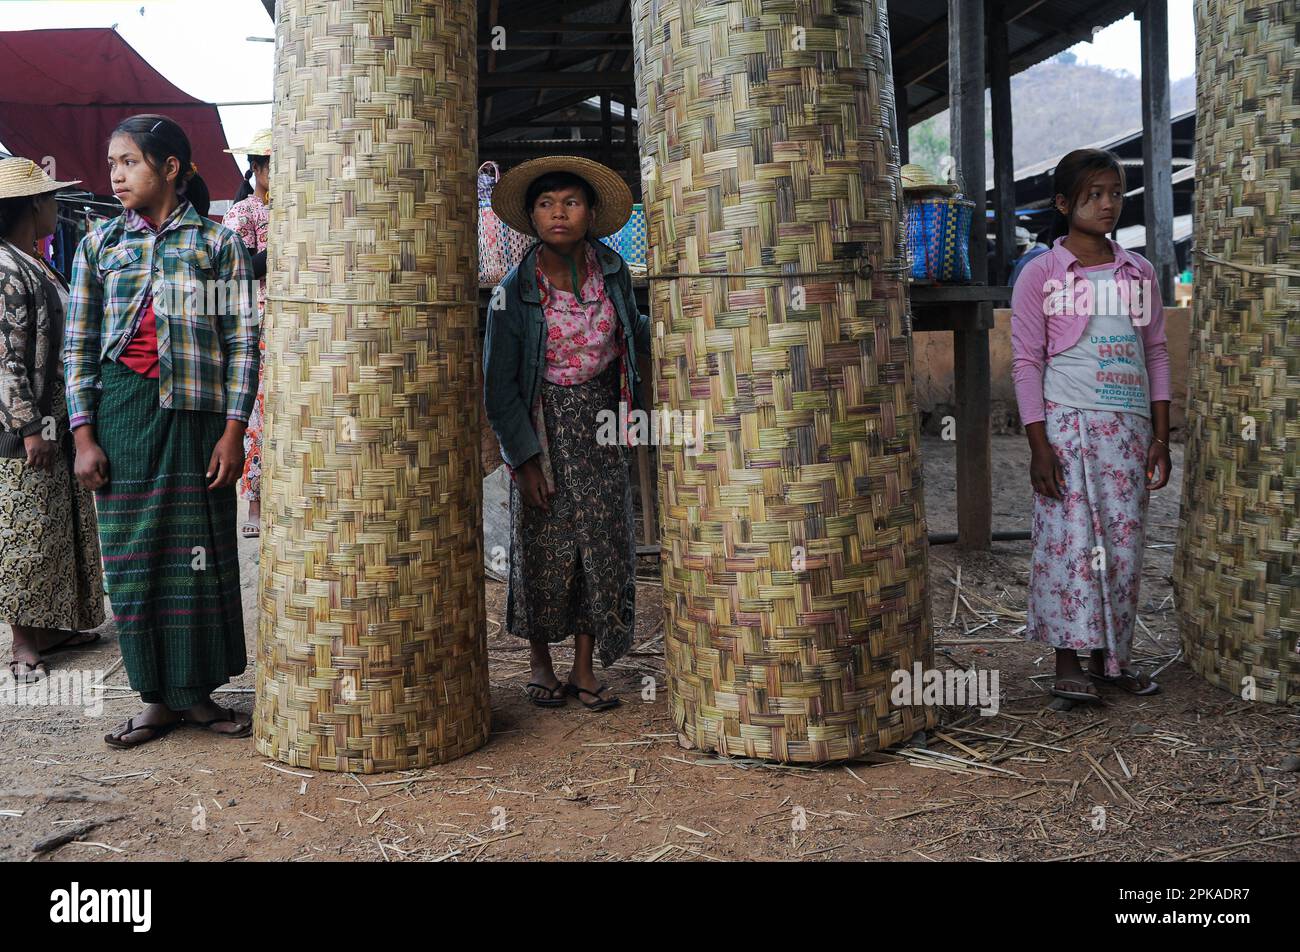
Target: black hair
160, 138
12, 211
1073, 173
552, 182
254, 162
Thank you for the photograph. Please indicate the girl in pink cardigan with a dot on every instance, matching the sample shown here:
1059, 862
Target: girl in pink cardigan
1092, 380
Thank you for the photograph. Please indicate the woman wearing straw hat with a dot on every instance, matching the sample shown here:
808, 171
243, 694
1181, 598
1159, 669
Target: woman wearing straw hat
560, 356
51, 583
250, 219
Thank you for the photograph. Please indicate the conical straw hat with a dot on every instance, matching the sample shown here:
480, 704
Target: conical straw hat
261, 145
613, 197
20, 177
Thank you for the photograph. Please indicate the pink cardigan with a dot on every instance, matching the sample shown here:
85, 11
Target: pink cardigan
1045, 320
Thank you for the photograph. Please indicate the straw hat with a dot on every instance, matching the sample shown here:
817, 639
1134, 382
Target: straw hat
21, 177
261, 145
916, 177
613, 197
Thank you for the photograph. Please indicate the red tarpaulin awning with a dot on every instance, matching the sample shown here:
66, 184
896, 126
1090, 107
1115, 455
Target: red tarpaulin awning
63, 91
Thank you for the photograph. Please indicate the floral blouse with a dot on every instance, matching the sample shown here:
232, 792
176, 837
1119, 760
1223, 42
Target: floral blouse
251, 220
581, 337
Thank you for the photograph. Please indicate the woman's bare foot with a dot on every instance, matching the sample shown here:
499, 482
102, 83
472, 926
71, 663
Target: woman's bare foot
1071, 682
209, 715
252, 527
583, 683
543, 685
150, 724
26, 666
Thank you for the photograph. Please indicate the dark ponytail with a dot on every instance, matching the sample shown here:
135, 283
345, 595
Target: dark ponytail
159, 139
247, 189
1073, 173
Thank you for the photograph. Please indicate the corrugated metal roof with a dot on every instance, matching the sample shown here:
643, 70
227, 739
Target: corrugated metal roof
1036, 30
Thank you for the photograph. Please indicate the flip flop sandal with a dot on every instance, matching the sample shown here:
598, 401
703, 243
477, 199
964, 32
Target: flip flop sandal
250, 530
224, 716
549, 699
71, 644
1138, 683
36, 672
600, 704
155, 731
1074, 695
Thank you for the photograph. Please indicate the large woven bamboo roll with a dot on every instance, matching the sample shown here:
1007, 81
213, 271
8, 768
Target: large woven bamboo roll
1236, 571
371, 650
794, 552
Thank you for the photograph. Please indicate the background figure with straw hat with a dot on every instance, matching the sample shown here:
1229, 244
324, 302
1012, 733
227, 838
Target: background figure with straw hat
561, 348
250, 219
161, 380
51, 584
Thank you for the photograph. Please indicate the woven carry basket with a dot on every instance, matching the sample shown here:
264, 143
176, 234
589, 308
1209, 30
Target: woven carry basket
938, 237
371, 650
794, 554
1236, 571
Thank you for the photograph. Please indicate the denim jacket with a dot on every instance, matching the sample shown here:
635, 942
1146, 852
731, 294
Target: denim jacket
514, 348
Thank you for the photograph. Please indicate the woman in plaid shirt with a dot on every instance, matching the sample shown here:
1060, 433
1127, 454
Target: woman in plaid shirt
161, 357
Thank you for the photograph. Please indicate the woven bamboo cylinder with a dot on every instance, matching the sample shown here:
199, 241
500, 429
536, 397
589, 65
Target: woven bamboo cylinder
793, 543
1235, 571
371, 646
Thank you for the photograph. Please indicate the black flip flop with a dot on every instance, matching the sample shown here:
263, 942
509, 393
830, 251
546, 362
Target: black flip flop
224, 715
600, 704
66, 645
1081, 696
156, 731
1137, 683
550, 700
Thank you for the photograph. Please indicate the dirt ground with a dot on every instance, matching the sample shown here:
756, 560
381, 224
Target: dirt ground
1192, 772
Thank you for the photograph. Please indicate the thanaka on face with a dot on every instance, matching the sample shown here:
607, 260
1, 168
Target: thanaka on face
561, 218
136, 184
1098, 207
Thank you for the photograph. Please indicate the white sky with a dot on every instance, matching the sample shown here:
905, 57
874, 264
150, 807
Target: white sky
199, 45
202, 46
1117, 46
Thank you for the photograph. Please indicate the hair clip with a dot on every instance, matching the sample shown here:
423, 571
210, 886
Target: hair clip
155, 127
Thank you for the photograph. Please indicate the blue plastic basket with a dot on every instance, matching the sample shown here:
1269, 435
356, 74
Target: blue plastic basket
630, 240
938, 238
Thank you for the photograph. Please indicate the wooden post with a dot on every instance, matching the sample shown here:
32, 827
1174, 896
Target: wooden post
633, 173
606, 129
1004, 167
971, 347
1157, 145
904, 122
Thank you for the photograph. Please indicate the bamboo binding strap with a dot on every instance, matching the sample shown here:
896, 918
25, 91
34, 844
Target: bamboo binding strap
1265, 269
862, 269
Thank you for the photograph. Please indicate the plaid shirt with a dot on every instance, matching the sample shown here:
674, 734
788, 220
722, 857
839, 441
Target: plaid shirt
201, 280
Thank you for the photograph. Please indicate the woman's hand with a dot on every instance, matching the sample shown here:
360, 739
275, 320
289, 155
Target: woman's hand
91, 465
1046, 475
40, 452
1045, 472
227, 463
532, 484
1158, 465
